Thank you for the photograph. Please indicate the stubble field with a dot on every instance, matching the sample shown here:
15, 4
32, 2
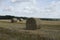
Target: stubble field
17, 31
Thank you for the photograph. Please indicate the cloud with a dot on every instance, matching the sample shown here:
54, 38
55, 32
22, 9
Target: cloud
13, 0
52, 10
8, 8
19, 1
30, 8
24, 7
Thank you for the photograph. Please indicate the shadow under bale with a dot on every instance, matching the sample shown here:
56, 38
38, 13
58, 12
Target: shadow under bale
33, 23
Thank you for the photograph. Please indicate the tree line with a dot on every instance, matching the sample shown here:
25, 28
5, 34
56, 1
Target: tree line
10, 17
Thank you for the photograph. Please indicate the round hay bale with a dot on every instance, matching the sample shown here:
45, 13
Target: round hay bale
33, 23
14, 20
21, 19
18, 21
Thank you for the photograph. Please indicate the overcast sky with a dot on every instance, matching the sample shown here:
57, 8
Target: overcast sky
31, 8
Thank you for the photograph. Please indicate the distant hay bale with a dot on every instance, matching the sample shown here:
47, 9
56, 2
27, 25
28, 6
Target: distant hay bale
13, 20
21, 19
33, 23
18, 21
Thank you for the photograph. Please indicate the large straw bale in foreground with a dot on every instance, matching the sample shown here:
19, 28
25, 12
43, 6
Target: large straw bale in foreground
33, 23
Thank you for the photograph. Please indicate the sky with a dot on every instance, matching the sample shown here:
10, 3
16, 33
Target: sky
31, 8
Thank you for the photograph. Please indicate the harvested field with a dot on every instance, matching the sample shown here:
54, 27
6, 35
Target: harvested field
16, 31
